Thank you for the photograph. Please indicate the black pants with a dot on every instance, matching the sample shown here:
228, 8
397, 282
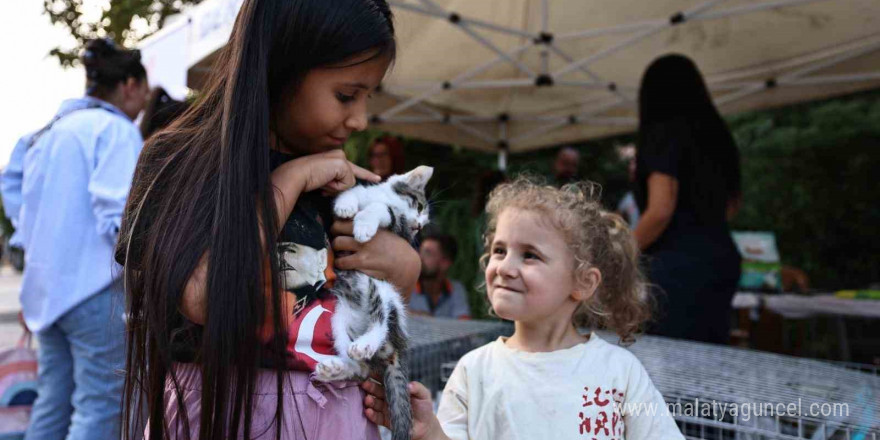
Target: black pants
693, 289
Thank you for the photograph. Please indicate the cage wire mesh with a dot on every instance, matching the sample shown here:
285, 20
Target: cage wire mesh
711, 424
780, 392
435, 342
864, 368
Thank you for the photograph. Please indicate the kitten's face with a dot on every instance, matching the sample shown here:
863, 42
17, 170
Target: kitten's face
410, 187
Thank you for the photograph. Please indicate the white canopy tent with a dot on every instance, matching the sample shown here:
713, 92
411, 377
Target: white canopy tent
516, 75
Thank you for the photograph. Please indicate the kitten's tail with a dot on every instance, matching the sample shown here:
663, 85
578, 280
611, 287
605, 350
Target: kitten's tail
397, 394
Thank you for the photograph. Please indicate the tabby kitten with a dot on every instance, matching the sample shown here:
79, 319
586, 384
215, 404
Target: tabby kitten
369, 325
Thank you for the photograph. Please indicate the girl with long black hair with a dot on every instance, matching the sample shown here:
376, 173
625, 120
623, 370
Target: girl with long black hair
226, 239
688, 180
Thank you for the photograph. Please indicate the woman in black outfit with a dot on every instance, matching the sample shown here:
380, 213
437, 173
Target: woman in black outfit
687, 176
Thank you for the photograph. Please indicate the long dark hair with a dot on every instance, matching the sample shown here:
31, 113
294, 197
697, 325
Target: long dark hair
675, 106
107, 65
203, 185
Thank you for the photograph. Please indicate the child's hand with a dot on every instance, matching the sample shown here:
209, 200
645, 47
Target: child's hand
386, 257
425, 423
331, 172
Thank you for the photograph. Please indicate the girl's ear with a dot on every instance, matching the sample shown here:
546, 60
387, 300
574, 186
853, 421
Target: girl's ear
586, 284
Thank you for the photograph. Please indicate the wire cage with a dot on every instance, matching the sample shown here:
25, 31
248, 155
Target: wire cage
864, 368
435, 342
787, 398
732, 425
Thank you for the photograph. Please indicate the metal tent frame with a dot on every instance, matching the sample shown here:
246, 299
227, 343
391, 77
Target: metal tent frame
617, 95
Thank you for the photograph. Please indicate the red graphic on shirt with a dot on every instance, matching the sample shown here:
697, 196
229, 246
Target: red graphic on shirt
309, 334
597, 424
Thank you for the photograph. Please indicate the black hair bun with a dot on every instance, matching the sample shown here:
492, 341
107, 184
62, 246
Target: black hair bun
98, 49
108, 64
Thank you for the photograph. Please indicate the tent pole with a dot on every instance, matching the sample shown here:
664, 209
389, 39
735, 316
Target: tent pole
464, 25
635, 39
584, 62
411, 102
813, 80
474, 118
496, 84
830, 62
623, 28
541, 130
797, 74
517, 82
502, 160
835, 79
480, 23
440, 13
613, 120
412, 119
630, 27
600, 108
502, 143
769, 70
742, 93
751, 8
438, 88
473, 132
488, 44
612, 87
545, 15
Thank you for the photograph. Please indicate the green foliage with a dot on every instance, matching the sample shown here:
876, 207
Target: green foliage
116, 21
808, 175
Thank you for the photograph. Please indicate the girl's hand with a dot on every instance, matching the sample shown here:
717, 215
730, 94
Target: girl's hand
386, 257
425, 423
330, 172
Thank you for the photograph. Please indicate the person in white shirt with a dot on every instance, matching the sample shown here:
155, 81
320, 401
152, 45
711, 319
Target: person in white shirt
556, 262
65, 190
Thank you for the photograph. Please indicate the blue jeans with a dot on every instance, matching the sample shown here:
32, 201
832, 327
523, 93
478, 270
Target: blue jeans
81, 357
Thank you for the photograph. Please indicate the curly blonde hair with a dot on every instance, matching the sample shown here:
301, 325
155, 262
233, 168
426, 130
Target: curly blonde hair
597, 238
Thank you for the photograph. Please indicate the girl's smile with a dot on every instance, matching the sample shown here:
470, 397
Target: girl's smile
529, 273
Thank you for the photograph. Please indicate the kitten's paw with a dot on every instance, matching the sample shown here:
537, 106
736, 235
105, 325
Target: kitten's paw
332, 370
365, 230
345, 207
360, 352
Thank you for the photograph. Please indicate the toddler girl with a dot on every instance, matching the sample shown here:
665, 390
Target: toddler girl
555, 262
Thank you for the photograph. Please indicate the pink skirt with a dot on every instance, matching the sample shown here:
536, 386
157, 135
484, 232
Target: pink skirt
312, 410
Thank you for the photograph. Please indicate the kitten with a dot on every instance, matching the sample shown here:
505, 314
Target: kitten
369, 325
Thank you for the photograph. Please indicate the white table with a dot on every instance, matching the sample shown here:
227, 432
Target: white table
803, 306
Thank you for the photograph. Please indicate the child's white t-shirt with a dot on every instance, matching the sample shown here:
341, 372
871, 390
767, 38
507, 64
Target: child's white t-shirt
594, 390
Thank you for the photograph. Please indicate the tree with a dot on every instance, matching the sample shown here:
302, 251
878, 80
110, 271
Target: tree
125, 21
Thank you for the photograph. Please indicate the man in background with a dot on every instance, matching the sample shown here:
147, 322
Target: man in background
437, 295
565, 167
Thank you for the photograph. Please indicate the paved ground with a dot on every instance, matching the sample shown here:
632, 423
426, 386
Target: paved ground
10, 283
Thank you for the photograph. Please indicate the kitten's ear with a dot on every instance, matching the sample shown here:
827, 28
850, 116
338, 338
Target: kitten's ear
418, 177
